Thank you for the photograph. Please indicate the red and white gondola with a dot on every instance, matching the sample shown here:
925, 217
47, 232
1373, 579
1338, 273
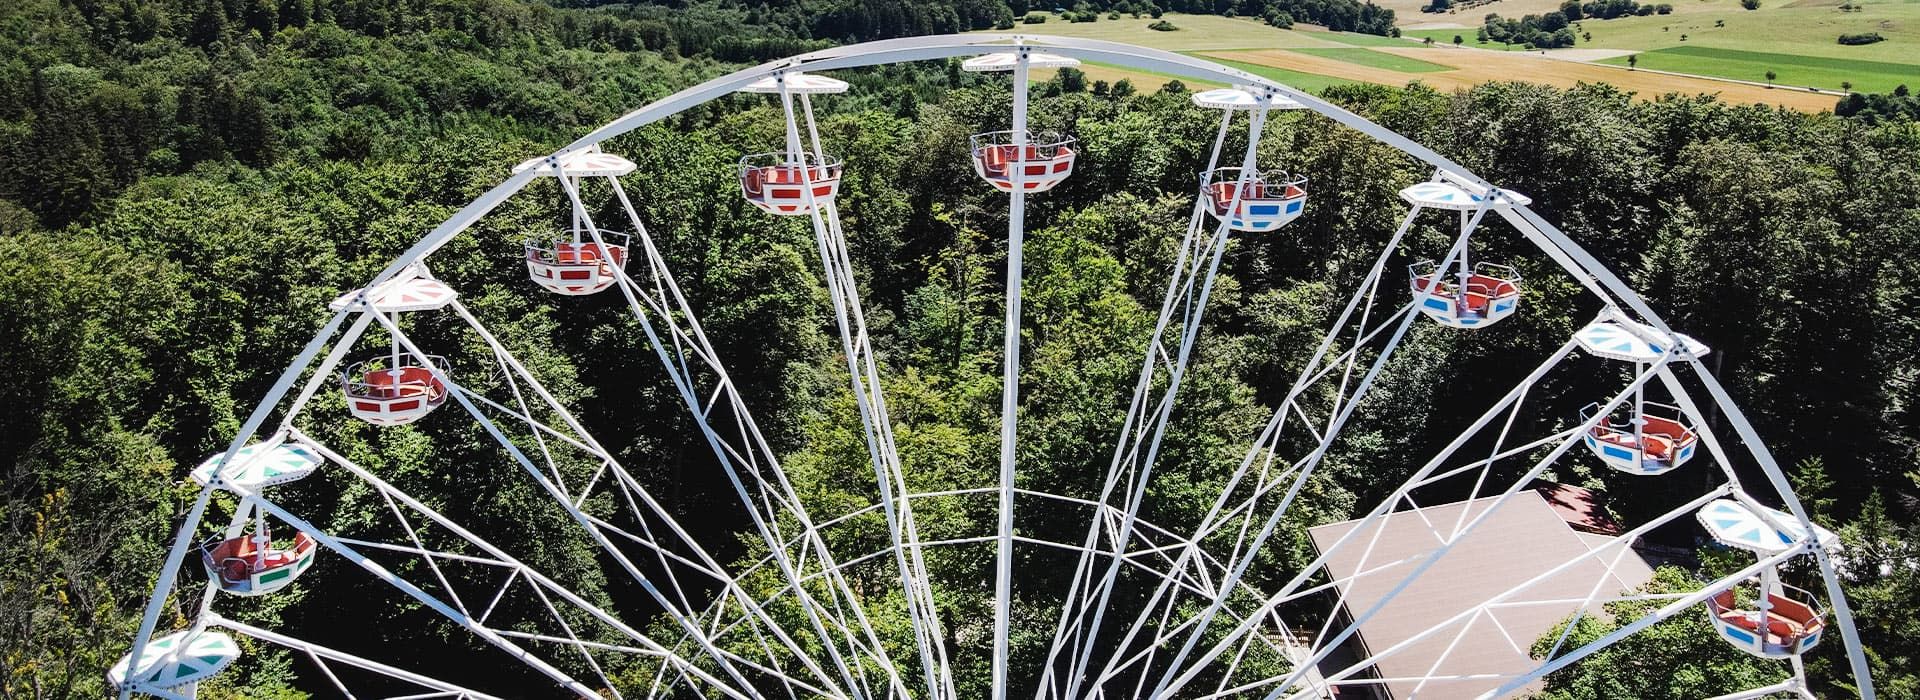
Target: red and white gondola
793, 181
1482, 297
1655, 440
388, 391
1045, 161
1257, 202
577, 264
1039, 161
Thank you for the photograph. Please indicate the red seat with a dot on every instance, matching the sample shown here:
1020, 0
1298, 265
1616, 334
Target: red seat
576, 253
1787, 621
1668, 427
785, 175
1490, 286
241, 558
995, 158
408, 381
1223, 195
234, 556
1656, 446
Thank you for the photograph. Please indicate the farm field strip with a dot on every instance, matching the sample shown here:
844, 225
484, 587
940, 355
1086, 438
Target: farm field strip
1348, 38
1197, 32
1144, 81
1474, 67
1445, 37
1312, 82
1312, 59
1376, 59
1810, 31
1790, 70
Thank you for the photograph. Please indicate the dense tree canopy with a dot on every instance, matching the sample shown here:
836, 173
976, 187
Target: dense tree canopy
184, 184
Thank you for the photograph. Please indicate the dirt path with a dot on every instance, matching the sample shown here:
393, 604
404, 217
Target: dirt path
1472, 67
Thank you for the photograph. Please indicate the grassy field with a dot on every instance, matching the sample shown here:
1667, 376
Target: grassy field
1310, 82
1795, 29
1312, 59
1467, 68
1196, 33
1445, 36
1143, 81
1790, 70
1348, 38
1797, 39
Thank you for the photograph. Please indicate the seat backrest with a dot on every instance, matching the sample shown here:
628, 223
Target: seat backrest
1491, 286
1723, 601
1668, 427
241, 546
416, 375
1793, 610
1223, 194
993, 161
381, 383
583, 252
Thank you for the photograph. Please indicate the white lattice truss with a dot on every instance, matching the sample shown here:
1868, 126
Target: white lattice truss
810, 635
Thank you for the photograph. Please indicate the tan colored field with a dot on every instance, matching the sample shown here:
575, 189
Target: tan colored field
1144, 82
1472, 67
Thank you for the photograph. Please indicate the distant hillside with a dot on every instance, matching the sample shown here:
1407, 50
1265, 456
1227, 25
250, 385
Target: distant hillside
860, 20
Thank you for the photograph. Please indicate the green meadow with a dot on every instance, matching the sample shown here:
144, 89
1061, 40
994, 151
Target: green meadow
1789, 70
1445, 36
1309, 82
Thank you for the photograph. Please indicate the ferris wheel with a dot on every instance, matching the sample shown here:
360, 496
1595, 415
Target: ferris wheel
1412, 599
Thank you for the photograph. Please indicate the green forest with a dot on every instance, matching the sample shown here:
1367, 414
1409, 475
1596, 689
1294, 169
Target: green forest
185, 184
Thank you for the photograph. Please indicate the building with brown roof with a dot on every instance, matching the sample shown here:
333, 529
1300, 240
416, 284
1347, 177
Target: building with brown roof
1535, 531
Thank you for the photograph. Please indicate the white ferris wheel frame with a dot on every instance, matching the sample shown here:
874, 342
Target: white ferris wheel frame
834, 616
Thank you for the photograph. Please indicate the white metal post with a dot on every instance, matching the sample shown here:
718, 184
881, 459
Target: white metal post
1128, 452
864, 375
1010, 378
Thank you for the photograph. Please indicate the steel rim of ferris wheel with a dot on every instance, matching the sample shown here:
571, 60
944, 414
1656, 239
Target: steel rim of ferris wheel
727, 642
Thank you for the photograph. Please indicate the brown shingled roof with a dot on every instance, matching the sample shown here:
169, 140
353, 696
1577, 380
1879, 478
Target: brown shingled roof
1525, 538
